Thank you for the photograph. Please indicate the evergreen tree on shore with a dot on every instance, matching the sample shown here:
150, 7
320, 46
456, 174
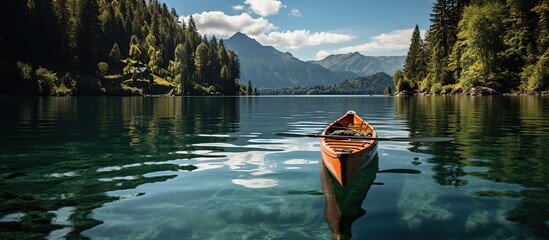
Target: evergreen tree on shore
415, 64
76, 35
500, 44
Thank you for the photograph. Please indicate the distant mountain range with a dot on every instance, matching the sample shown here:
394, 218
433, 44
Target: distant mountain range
373, 84
362, 65
267, 67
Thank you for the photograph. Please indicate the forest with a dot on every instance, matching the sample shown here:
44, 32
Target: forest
499, 44
379, 83
103, 47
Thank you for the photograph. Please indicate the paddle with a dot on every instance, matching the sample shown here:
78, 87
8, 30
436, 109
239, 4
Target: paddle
406, 171
396, 139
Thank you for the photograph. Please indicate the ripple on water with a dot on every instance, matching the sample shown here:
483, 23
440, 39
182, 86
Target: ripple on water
256, 182
61, 218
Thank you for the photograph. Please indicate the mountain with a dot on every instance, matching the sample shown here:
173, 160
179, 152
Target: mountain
373, 84
267, 67
362, 65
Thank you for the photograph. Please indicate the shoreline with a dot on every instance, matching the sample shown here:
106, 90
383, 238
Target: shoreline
476, 91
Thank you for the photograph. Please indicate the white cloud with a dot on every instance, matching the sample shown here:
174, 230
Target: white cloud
221, 25
238, 7
299, 38
395, 40
264, 7
295, 13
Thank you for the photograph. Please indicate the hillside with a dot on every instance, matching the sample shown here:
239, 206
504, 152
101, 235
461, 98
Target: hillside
370, 85
362, 65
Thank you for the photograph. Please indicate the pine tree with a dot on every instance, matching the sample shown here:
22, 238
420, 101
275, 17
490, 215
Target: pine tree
519, 41
442, 36
415, 64
537, 74
388, 90
173, 13
63, 38
249, 88
115, 56
135, 51
201, 62
44, 27
234, 66
214, 66
88, 35
191, 33
542, 28
226, 82
63, 34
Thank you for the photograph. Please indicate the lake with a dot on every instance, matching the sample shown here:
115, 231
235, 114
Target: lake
211, 168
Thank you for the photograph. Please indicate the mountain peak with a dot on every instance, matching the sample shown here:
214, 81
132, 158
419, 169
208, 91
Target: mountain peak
242, 39
239, 35
268, 67
355, 54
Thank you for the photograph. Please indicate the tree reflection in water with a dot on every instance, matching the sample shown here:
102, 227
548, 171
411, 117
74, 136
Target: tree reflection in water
498, 139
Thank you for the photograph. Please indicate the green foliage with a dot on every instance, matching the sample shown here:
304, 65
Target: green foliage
436, 89
539, 74
87, 85
68, 81
115, 54
388, 90
46, 81
249, 88
518, 36
88, 34
441, 38
41, 81
480, 36
499, 44
426, 83
415, 65
201, 62
102, 68
131, 91
542, 28
449, 89
135, 52
25, 70
161, 82
73, 36
401, 82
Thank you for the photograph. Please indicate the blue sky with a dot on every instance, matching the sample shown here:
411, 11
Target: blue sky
313, 29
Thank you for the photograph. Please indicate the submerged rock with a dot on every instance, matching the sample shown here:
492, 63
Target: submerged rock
420, 203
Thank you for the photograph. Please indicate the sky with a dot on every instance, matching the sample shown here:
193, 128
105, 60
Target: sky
313, 29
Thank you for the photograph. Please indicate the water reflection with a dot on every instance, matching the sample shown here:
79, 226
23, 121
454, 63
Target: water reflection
206, 168
501, 140
343, 204
61, 158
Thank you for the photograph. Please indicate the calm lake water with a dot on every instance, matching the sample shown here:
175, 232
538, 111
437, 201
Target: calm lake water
211, 168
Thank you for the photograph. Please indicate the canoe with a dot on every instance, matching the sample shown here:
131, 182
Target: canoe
343, 204
343, 156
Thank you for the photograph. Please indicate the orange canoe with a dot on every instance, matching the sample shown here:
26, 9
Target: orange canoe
345, 157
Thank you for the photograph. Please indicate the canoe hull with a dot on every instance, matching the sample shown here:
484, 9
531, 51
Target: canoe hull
344, 158
343, 204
